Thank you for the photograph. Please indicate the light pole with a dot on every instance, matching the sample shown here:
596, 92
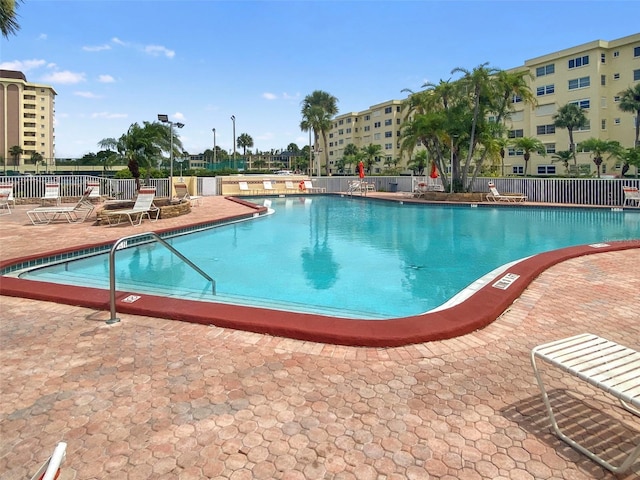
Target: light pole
233, 119
165, 119
214, 145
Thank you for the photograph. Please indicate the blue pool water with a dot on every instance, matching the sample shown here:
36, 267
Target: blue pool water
348, 257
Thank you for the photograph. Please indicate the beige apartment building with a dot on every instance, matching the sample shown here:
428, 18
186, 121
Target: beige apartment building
590, 75
27, 112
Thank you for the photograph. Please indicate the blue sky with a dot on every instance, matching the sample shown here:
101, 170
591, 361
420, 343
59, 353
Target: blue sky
114, 63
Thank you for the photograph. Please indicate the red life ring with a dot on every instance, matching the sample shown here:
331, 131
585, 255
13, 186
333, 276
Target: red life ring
301, 186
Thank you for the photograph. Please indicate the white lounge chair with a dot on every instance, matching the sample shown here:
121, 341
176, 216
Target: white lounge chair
95, 190
182, 192
244, 188
4, 204
75, 214
495, 196
631, 196
7, 188
51, 193
143, 207
268, 187
308, 186
289, 187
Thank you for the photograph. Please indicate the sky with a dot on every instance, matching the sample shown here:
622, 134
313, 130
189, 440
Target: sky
118, 62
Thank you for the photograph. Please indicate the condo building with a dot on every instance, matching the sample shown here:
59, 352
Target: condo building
591, 76
27, 112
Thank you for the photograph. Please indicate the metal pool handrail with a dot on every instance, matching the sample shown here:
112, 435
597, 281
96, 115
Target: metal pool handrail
112, 268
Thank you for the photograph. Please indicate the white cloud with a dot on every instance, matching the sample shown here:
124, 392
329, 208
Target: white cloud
269, 96
287, 96
177, 116
22, 65
96, 48
86, 94
42, 36
106, 79
117, 41
158, 50
64, 77
108, 116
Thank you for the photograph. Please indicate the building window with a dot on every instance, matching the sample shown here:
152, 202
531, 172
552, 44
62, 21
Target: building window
367, 118
616, 54
579, 61
398, 108
519, 133
388, 121
388, 134
349, 130
636, 75
514, 152
546, 169
603, 124
516, 99
545, 90
616, 76
587, 127
376, 136
397, 121
387, 110
545, 129
603, 58
388, 146
517, 170
340, 132
603, 80
348, 120
550, 148
545, 70
616, 98
616, 121
585, 103
636, 51
581, 82
367, 128
340, 122
377, 124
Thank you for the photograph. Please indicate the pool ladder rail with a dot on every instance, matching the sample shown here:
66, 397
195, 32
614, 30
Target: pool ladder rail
122, 243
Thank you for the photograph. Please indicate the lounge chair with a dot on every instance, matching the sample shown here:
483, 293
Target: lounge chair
182, 192
495, 196
143, 207
4, 203
308, 186
244, 188
357, 186
75, 214
268, 187
631, 196
289, 187
7, 188
51, 193
51, 468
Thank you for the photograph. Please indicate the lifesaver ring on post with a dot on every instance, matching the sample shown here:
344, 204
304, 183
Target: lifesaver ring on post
301, 186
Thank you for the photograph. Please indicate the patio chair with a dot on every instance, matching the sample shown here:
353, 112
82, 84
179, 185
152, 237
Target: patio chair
51, 193
244, 188
75, 214
308, 186
631, 196
7, 188
267, 186
182, 193
143, 207
495, 196
289, 187
4, 204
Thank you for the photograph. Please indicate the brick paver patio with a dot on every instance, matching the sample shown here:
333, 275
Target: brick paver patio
149, 398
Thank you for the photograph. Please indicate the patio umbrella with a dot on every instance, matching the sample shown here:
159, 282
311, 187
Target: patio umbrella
434, 171
361, 170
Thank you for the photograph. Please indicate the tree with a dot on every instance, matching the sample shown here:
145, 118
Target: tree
15, 152
528, 145
563, 156
630, 102
370, 154
8, 17
143, 144
419, 162
244, 141
571, 117
599, 148
318, 110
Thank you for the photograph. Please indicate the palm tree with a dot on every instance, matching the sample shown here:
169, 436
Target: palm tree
8, 17
15, 152
600, 148
563, 156
528, 145
244, 141
571, 117
419, 162
352, 155
370, 154
318, 110
630, 102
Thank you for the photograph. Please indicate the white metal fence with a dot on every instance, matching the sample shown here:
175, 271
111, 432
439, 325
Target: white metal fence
580, 191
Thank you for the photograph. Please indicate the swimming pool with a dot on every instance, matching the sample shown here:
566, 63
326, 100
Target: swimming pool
348, 257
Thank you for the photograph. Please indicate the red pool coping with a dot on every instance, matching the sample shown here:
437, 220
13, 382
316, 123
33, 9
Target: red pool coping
474, 313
